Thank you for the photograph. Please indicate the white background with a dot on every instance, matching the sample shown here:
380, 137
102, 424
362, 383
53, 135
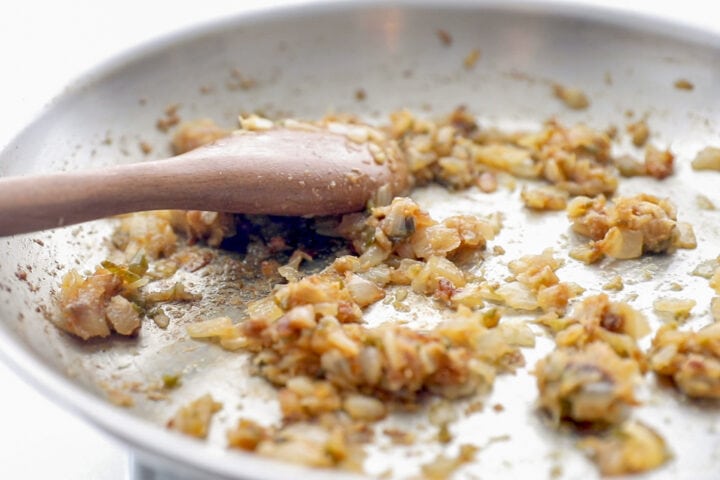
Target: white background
43, 46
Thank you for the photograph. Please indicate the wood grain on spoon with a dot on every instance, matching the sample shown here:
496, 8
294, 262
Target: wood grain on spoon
278, 172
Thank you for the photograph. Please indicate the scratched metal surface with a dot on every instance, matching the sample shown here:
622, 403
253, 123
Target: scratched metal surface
307, 62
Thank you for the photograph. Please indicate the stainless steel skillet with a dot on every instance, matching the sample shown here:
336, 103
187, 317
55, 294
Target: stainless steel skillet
304, 62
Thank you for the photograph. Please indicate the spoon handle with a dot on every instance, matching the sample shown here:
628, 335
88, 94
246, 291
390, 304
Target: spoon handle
37, 202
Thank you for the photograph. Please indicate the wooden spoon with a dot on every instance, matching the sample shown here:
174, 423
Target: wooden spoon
278, 172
